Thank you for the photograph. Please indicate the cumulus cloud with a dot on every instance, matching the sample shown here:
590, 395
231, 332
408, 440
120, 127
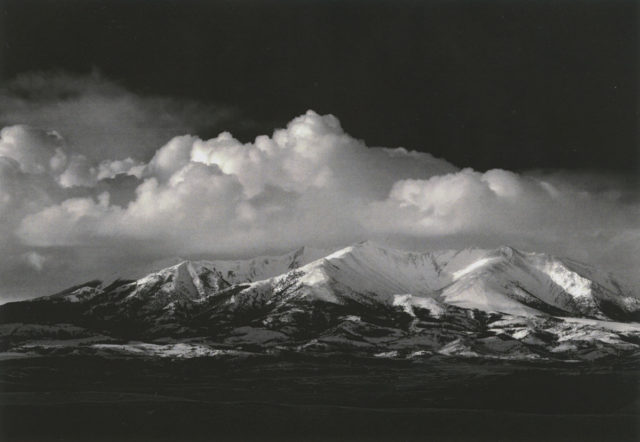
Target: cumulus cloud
36, 151
304, 184
498, 206
80, 172
69, 215
498, 201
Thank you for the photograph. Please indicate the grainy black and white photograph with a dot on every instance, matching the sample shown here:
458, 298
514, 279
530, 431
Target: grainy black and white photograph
319, 220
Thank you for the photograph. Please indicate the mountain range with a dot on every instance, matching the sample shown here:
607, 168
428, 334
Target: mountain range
363, 299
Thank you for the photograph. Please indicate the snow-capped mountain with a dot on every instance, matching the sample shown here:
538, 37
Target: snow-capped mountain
364, 297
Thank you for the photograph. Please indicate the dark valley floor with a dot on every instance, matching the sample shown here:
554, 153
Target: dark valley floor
307, 398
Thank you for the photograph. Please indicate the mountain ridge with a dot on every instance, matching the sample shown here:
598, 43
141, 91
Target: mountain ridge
364, 296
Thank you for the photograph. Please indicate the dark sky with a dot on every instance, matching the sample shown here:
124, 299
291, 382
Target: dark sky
517, 84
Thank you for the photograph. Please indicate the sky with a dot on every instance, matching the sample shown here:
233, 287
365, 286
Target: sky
133, 132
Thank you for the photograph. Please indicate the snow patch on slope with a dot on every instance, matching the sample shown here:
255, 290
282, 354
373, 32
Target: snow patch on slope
409, 302
571, 282
481, 263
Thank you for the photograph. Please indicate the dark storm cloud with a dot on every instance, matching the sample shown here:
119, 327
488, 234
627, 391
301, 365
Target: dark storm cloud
490, 83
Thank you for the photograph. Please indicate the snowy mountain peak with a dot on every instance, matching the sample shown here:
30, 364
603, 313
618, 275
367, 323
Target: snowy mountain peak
469, 301
503, 280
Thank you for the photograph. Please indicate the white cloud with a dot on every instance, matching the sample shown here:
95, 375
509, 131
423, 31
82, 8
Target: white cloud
81, 172
36, 151
35, 260
307, 184
39, 152
501, 207
469, 201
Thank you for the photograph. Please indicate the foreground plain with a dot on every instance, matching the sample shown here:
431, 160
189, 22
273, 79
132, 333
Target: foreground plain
330, 397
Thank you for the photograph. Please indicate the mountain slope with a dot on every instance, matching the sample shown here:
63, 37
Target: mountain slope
503, 280
511, 281
503, 303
